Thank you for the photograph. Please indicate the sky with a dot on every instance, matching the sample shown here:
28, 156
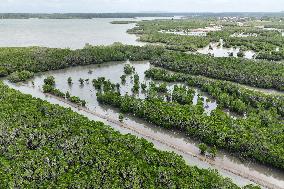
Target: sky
99, 6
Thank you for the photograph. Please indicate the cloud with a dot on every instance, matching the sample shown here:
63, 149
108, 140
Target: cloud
139, 5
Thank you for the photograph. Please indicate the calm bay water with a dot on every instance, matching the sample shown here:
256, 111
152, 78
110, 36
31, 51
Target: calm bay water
62, 33
67, 33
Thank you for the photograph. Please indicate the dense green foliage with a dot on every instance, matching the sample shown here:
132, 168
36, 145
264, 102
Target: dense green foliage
203, 148
136, 85
3, 71
161, 88
48, 146
77, 100
128, 69
168, 25
260, 74
37, 59
271, 55
250, 138
229, 95
150, 31
182, 95
20, 76
262, 40
264, 74
51, 90
50, 80
176, 42
101, 84
172, 33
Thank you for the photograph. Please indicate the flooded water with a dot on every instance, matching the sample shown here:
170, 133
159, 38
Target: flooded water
240, 172
218, 50
202, 32
273, 29
244, 35
191, 33
87, 91
64, 33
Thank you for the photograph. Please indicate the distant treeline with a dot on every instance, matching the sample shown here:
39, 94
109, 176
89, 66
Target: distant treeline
81, 15
133, 15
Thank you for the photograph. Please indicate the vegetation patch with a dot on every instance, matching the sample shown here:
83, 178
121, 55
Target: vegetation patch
19, 76
243, 137
44, 145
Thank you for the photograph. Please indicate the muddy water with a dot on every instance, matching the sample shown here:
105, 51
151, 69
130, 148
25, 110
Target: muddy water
87, 91
163, 139
220, 51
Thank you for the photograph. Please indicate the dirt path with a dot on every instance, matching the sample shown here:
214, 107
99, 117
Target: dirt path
153, 137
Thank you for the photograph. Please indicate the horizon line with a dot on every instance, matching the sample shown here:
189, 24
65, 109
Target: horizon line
143, 12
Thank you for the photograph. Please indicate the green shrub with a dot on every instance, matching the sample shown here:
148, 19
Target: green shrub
19, 76
203, 148
50, 80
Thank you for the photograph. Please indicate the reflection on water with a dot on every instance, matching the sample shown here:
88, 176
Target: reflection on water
88, 92
162, 138
62, 33
218, 50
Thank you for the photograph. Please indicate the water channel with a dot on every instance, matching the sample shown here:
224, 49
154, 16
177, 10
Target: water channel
240, 172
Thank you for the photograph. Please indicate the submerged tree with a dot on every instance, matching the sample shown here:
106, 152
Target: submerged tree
123, 79
241, 53
128, 69
67, 95
143, 86
121, 117
50, 80
81, 81
69, 80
